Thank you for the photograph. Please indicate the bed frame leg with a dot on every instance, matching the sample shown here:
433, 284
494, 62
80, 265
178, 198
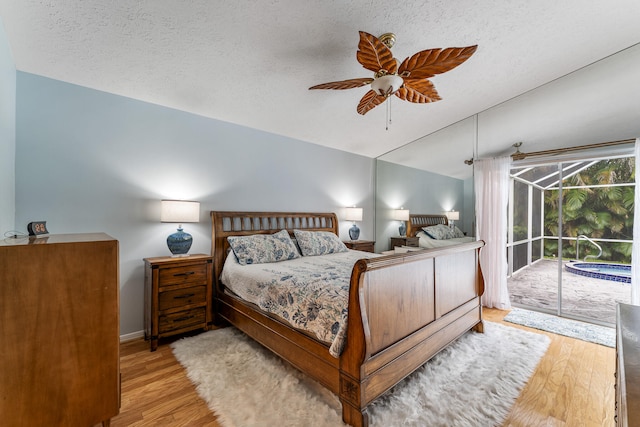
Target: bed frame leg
479, 327
353, 416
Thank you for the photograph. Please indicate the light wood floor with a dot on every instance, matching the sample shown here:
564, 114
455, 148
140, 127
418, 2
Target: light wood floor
572, 386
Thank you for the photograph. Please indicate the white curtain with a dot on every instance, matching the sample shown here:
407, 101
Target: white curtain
635, 253
491, 179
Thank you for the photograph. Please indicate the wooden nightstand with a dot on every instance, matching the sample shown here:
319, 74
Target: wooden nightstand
360, 245
178, 295
404, 241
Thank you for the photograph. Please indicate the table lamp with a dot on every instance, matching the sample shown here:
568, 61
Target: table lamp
401, 215
452, 216
179, 211
353, 214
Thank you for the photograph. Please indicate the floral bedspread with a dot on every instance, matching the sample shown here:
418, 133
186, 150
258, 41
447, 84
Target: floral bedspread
310, 293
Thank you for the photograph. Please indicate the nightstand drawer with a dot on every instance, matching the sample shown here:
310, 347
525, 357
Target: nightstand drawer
181, 319
182, 297
196, 273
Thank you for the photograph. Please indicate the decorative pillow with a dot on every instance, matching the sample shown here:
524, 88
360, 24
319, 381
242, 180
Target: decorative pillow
457, 232
313, 243
439, 232
263, 248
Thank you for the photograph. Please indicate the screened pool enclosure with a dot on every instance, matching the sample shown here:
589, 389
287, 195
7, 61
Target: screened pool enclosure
563, 212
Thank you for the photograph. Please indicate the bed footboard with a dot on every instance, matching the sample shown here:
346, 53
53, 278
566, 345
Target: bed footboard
403, 309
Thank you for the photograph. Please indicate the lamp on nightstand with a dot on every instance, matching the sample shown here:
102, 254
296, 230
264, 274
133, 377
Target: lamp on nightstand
353, 214
179, 211
452, 216
401, 215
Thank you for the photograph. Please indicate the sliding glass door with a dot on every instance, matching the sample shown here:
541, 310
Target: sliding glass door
597, 230
533, 277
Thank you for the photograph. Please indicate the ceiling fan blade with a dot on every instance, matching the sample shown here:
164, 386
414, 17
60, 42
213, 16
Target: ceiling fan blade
418, 91
375, 55
369, 101
344, 84
430, 62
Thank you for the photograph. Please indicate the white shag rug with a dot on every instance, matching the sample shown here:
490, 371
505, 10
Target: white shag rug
473, 382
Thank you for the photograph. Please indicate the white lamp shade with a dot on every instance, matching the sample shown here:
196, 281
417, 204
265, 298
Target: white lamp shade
179, 211
353, 214
401, 215
453, 215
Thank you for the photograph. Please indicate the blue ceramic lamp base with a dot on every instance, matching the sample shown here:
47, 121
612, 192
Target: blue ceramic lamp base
179, 243
354, 232
402, 229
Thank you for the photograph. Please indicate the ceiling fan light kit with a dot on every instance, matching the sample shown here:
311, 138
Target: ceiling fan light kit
387, 85
408, 80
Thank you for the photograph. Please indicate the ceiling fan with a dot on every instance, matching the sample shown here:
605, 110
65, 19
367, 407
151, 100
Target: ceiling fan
408, 80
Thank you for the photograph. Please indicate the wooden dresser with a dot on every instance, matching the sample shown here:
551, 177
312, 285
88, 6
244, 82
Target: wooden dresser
628, 365
178, 295
59, 330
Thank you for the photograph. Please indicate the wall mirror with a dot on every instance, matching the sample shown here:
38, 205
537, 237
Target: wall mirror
427, 176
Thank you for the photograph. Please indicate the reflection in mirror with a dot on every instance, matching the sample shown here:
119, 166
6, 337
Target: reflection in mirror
427, 176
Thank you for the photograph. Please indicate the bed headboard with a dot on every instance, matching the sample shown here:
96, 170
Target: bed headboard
225, 224
417, 221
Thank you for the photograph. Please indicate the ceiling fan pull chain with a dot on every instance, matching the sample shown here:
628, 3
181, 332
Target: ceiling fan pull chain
386, 121
388, 113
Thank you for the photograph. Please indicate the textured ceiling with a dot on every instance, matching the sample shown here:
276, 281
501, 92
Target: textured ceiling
252, 62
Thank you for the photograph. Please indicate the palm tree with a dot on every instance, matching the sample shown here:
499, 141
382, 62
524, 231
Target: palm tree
601, 212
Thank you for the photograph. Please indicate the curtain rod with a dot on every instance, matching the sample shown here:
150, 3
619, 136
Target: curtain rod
518, 155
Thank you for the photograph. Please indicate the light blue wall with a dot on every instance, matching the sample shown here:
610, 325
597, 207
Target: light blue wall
414, 189
7, 135
90, 161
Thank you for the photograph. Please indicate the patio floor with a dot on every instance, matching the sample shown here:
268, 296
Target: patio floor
537, 286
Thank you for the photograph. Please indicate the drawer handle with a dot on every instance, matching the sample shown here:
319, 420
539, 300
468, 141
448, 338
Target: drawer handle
188, 273
181, 319
184, 296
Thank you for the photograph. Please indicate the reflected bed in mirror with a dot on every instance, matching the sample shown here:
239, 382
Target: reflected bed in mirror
434, 231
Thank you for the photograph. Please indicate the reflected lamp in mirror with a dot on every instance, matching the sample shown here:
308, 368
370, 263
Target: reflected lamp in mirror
179, 211
401, 215
452, 216
353, 214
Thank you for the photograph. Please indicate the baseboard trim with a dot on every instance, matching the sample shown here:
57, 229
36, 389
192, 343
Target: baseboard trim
131, 336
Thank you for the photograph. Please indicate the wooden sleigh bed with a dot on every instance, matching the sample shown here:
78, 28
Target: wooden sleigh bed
417, 221
422, 222
402, 310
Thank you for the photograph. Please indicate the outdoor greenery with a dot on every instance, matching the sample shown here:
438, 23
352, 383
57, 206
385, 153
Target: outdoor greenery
598, 213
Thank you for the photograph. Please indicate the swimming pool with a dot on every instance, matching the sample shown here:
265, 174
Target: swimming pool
613, 272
